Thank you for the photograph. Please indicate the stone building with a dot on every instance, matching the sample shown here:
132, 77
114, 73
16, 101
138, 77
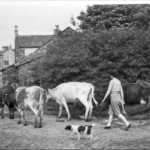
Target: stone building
7, 58
21, 71
27, 44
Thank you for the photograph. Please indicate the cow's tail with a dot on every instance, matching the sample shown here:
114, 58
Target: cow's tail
94, 100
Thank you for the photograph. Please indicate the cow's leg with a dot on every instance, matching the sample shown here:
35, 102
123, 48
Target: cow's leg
87, 112
40, 122
67, 110
20, 114
36, 112
35, 121
2, 112
19, 122
89, 100
12, 113
90, 111
25, 122
60, 110
87, 106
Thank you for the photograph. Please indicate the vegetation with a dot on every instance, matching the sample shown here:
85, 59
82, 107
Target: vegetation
115, 37
111, 37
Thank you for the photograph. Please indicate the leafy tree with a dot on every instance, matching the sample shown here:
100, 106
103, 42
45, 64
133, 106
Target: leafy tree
98, 17
87, 56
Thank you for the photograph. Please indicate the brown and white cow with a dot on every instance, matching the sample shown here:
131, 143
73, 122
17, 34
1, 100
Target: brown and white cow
71, 92
33, 98
136, 93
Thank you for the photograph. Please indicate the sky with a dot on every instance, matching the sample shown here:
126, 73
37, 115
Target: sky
40, 17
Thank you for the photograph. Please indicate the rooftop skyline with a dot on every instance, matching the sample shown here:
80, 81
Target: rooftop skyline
40, 17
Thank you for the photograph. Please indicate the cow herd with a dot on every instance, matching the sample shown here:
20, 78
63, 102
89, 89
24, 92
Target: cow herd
18, 98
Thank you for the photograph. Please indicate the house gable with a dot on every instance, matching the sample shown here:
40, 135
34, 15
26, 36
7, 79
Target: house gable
27, 44
33, 41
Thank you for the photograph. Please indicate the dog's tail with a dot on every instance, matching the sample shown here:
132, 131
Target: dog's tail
93, 124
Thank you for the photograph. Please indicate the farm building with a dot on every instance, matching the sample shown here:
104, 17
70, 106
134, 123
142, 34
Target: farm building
29, 50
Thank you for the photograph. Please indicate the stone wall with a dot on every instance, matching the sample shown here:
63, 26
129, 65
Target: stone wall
21, 74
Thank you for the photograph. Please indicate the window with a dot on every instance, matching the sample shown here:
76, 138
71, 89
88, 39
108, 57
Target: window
6, 62
22, 52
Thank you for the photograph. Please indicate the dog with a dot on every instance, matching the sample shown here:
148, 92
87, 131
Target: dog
79, 129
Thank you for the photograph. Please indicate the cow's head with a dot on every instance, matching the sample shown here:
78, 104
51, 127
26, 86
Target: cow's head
9, 98
48, 95
143, 102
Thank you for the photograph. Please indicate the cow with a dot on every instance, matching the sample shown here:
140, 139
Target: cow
33, 98
71, 92
136, 93
7, 97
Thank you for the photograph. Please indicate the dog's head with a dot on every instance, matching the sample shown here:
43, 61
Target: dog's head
68, 127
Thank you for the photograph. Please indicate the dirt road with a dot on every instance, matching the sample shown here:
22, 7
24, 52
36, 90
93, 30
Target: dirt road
53, 135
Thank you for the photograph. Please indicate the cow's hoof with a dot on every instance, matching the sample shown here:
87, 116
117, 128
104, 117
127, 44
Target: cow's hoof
87, 120
2, 117
19, 122
25, 124
40, 126
11, 117
58, 116
68, 119
35, 126
90, 119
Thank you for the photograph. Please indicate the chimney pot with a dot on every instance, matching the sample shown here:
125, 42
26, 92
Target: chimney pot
16, 30
56, 30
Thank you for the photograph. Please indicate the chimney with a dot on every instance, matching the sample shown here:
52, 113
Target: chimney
16, 30
10, 47
56, 30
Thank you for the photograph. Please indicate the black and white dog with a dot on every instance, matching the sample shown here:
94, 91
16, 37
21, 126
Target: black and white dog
79, 129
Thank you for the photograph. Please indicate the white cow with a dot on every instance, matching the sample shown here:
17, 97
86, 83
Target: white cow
72, 92
33, 98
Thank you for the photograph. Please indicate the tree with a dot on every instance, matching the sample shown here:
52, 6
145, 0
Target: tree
88, 56
101, 17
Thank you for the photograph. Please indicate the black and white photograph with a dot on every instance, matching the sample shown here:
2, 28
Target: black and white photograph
74, 74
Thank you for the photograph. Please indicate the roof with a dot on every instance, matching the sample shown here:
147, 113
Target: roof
2, 69
35, 55
41, 51
33, 41
66, 30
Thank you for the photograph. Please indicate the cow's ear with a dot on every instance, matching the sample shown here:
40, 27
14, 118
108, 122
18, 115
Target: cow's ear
47, 90
15, 85
44, 91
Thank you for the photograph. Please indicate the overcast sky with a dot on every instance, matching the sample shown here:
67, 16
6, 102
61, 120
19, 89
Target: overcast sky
40, 17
